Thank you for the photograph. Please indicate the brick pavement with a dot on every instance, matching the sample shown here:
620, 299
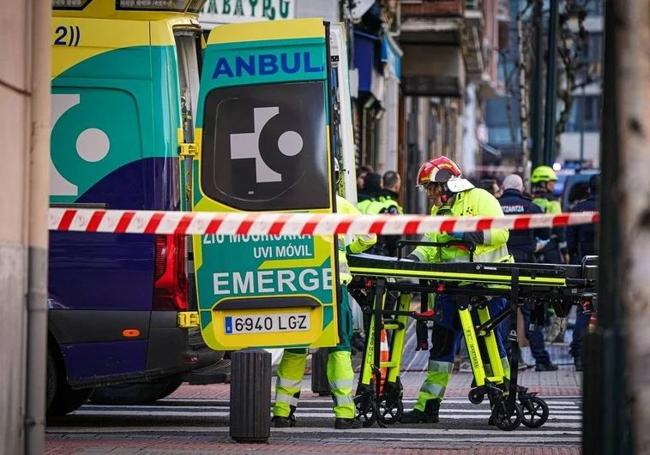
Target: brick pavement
210, 445
564, 382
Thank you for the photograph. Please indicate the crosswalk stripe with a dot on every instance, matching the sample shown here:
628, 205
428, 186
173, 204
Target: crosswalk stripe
130, 412
469, 410
328, 401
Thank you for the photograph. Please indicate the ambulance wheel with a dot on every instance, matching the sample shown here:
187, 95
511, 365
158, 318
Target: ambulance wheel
366, 408
390, 410
534, 412
476, 396
503, 419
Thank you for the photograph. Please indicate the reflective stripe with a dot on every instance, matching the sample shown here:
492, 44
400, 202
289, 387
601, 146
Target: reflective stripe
283, 397
288, 383
419, 255
506, 367
437, 390
341, 384
435, 366
343, 400
496, 255
487, 237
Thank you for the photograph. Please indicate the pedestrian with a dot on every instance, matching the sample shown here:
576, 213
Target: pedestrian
522, 245
371, 187
453, 195
385, 202
340, 375
491, 186
543, 180
362, 171
581, 241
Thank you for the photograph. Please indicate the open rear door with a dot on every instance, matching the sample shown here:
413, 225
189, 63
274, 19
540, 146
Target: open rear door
263, 127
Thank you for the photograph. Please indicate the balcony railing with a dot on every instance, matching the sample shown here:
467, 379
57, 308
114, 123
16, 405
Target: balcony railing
433, 8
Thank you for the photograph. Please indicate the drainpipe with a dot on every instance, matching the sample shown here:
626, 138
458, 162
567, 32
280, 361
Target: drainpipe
36, 217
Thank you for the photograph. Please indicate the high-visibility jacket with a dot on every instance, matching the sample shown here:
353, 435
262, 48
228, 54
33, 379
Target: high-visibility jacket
387, 204
355, 244
491, 245
380, 204
549, 204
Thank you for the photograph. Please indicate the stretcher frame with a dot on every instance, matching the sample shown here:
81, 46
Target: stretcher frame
471, 285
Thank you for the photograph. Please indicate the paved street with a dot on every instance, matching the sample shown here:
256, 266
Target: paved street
195, 420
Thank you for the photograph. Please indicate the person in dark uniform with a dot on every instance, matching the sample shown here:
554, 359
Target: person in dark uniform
581, 241
522, 245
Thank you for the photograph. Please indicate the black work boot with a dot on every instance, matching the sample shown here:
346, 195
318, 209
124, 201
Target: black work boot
284, 422
429, 415
549, 366
346, 424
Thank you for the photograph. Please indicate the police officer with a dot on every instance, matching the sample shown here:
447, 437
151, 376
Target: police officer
522, 245
340, 375
453, 195
385, 202
581, 240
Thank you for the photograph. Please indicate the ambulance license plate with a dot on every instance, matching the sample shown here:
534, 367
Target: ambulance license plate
267, 323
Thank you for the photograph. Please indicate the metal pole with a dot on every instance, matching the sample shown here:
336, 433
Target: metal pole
606, 403
536, 107
39, 161
551, 86
582, 128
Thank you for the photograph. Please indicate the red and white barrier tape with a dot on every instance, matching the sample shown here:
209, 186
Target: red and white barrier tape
152, 222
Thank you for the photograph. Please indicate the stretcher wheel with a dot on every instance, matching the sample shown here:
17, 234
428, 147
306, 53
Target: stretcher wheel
476, 396
366, 408
534, 412
503, 419
390, 410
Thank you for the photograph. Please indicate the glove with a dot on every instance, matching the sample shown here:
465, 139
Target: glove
422, 333
413, 257
540, 245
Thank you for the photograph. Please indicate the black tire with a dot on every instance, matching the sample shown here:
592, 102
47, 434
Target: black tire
250, 396
475, 396
61, 398
390, 410
534, 412
366, 407
136, 393
319, 382
504, 420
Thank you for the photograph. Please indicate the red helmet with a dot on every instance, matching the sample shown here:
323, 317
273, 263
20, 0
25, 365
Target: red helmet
443, 170
438, 170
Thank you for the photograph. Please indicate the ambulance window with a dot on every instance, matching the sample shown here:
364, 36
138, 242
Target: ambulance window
265, 148
188, 56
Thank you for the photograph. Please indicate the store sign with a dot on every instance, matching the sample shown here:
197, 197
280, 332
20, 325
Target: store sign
228, 11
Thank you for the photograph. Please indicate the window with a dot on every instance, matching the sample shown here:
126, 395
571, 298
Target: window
585, 114
189, 74
264, 147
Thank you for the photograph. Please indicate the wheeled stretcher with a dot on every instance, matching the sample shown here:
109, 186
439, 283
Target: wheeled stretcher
472, 285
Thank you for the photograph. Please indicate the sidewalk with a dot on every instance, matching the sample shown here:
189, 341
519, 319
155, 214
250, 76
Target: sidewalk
564, 382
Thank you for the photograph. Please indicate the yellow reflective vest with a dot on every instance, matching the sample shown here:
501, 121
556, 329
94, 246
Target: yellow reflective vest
473, 202
356, 244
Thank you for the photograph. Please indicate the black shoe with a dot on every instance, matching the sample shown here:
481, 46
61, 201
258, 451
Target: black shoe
550, 366
429, 415
283, 422
578, 363
346, 424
